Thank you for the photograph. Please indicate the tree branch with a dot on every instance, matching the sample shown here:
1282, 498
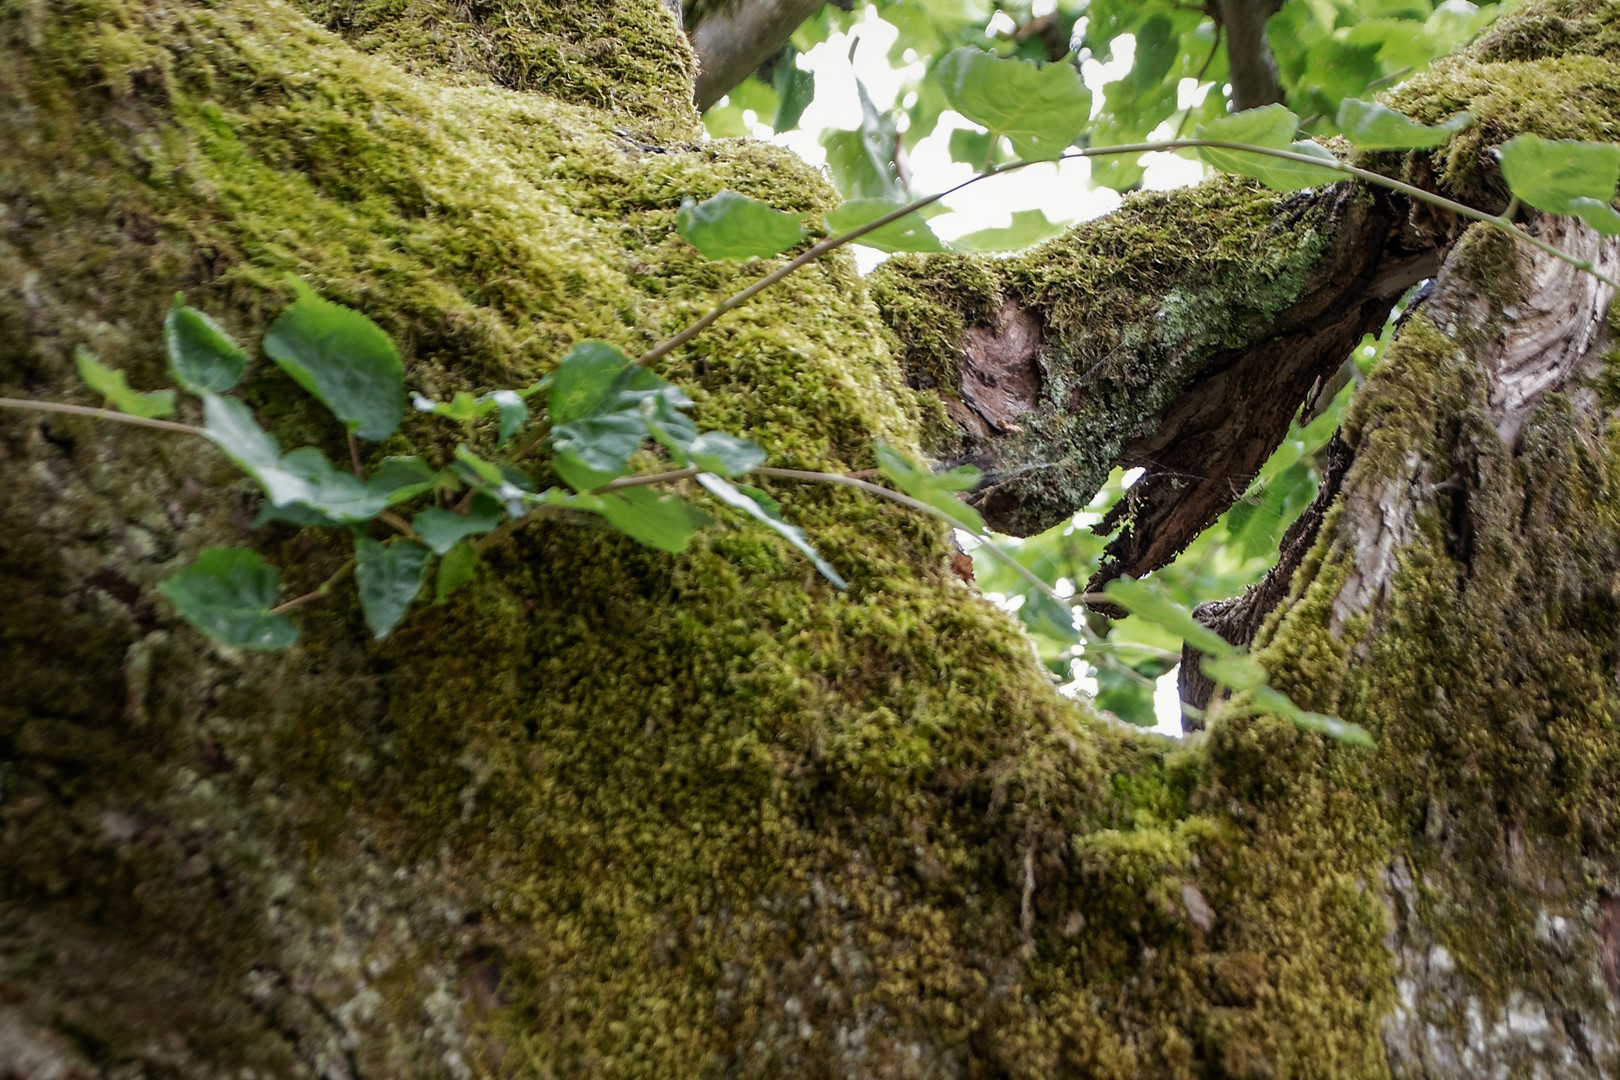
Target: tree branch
1253, 71
732, 42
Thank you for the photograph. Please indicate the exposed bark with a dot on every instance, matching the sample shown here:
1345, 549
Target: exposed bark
731, 40
1253, 69
613, 813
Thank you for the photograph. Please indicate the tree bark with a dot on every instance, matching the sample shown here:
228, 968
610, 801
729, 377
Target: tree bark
732, 40
611, 812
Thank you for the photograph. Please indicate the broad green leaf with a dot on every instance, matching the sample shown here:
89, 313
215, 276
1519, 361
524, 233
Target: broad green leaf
910, 233
795, 88
762, 508
1041, 108
231, 426
507, 485
583, 380
1272, 127
389, 576
1237, 672
1563, 176
442, 530
401, 478
1267, 699
512, 411
1150, 603
1373, 127
1028, 227
727, 455
227, 593
863, 162
733, 226
459, 565
666, 523
343, 359
975, 148
938, 490
612, 409
463, 407
202, 357
111, 384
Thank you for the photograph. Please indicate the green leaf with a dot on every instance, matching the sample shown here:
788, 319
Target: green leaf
794, 90
442, 530
1028, 227
761, 507
1237, 672
513, 413
1373, 127
462, 407
401, 478
863, 161
1267, 699
231, 426
202, 357
343, 359
459, 565
1563, 176
1272, 127
389, 576
666, 523
1041, 108
733, 226
938, 490
584, 379
506, 485
910, 233
111, 384
727, 455
1150, 603
227, 593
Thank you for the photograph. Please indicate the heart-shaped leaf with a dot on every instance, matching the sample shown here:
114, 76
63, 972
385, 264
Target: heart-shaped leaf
343, 359
733, 226
202, 357
227, 593
1042, 108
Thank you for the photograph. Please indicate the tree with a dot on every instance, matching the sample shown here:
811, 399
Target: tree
610, 811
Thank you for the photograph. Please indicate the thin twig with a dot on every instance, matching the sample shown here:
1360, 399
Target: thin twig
100, 414
315, 594
354, 456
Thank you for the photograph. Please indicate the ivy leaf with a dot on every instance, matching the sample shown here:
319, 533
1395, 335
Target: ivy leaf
442, 530
507, 485
1152, 605
1563, 176
513, 413
202, 357
343, 359
230, 425
761, 507
1272, 127
1371, 126
227, 593
1235, 671
795, 88
727, 455
666, 523
111, 385
459, 565
389, 576
936, 490
733, 226
1042, 108
583, 380
1028, 227
910, 233
1267, 699
401, 478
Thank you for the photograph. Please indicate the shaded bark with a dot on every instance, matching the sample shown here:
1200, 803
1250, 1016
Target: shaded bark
732, 40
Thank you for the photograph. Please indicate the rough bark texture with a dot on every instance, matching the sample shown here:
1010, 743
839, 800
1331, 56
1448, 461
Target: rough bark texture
614, 813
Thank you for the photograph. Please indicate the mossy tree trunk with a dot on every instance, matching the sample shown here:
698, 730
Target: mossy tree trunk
608, 812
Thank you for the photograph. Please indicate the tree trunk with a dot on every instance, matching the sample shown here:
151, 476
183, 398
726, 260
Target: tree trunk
610, 812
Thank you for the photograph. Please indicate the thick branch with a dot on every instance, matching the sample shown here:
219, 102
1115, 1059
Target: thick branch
732, 41
1253, 71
